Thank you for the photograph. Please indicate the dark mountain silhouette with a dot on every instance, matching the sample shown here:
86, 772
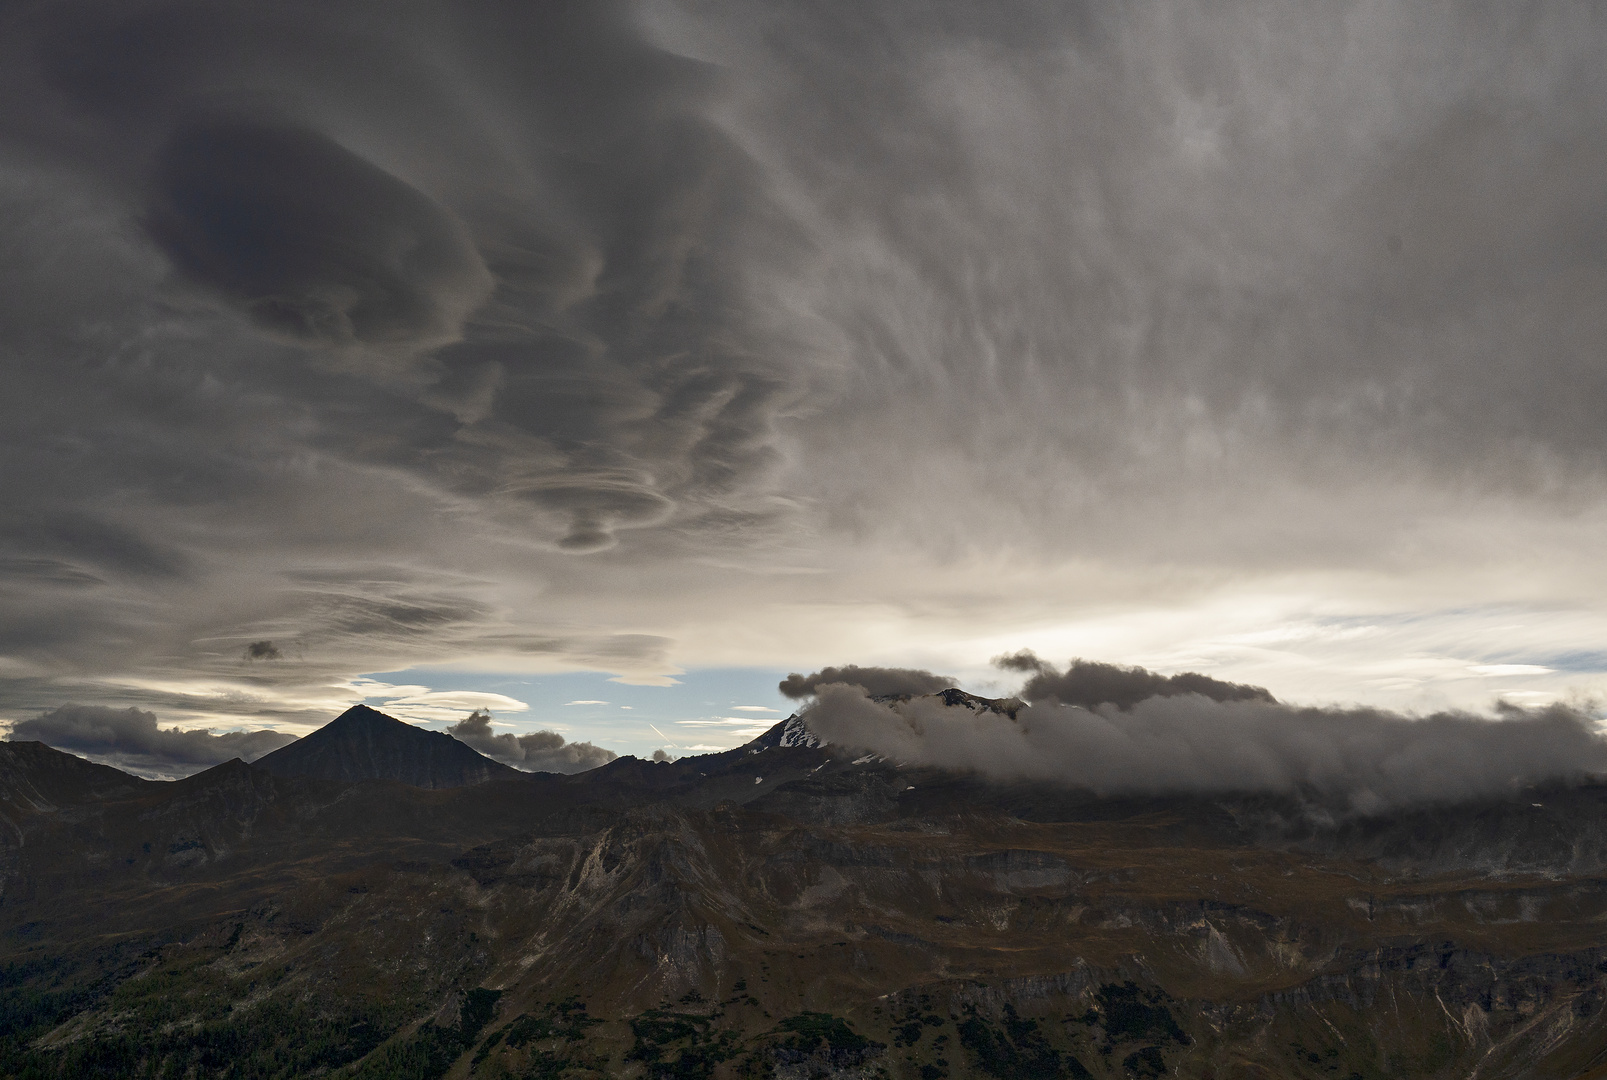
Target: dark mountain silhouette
35, 778
37, 775
785, 909
365, 744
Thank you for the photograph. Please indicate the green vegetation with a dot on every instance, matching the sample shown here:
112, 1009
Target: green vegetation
1019, 1052
563, 1021
180, 1019
811, 1030
697, 1047
912, 1024
273, 1041
1129, 1014
819, 1039
37, 995
433, 1048
1145, 1062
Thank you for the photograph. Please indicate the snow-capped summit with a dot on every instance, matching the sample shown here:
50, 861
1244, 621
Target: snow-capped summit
788, 733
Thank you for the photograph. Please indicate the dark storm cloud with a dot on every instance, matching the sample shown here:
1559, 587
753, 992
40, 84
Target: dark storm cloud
508, 322
130, 739
1352, 760
588, 171
263, 650
875, 681
538, 751
415, 291
90, 541
1141, 260
1089, 683
314, 242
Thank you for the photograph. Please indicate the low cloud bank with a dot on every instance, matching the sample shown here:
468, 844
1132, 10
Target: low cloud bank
1350, 761
130, 739
1089, 683
875, 681
539, 751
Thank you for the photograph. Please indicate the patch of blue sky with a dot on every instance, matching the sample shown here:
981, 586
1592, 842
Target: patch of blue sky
1583, 661
706, 710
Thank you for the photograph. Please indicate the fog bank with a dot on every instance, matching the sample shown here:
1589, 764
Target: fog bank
1356, 761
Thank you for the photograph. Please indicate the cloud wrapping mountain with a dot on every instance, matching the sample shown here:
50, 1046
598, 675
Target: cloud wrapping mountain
538, 751
1360, 761
131, 740
875, 681
1089, 683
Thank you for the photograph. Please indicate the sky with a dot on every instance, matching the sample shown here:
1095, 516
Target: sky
495, 355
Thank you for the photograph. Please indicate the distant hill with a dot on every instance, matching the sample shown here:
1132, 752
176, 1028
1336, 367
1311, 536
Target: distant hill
365, 744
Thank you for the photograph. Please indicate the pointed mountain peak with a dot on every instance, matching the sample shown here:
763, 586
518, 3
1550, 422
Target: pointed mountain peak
360, 716
790, 732
366, 744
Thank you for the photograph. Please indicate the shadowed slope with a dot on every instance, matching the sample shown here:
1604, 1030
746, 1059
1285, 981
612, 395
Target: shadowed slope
364, 744
41, 777
35, 778
786, 909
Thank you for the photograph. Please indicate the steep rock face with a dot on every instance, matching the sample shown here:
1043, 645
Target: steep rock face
365, 744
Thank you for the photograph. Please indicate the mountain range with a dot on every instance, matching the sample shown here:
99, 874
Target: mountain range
373, 902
